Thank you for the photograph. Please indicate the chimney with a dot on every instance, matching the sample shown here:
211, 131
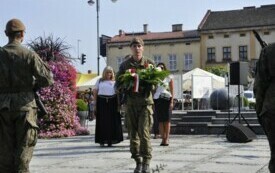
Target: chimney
89, 71
121, 32
176, 27
145, 28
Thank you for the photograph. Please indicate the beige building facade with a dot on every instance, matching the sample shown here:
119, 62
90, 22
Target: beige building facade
178, 49
227, 36
222, 37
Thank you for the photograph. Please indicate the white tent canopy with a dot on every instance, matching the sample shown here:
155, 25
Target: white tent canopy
88, 84
217, 81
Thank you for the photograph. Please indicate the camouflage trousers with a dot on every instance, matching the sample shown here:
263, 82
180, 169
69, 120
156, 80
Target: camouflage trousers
17, 140
268, 122
139, 119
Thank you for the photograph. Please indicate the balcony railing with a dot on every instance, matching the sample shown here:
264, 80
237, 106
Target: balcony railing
210, 61
226, 60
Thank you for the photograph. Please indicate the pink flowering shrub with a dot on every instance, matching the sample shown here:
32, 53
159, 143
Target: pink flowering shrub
60, 98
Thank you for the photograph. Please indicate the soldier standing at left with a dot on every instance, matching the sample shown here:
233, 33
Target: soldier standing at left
21, 71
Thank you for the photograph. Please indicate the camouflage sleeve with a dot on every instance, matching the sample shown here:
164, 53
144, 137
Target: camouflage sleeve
152, 62
42, 73
261, 82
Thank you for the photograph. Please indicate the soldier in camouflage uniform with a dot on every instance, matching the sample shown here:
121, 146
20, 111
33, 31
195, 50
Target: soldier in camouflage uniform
264, 89
18, 111
139, 110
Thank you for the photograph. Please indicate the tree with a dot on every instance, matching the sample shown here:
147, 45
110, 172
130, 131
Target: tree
217, 70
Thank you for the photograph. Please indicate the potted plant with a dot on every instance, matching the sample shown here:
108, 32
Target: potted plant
82, 111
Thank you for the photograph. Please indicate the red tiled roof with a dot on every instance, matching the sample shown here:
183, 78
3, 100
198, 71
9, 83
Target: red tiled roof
126, 37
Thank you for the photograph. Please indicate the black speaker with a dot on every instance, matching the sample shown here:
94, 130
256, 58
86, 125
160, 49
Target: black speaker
239, 73
238, 133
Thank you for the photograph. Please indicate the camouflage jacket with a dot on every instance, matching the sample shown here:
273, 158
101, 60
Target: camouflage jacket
264, 85
21, 70
140, 98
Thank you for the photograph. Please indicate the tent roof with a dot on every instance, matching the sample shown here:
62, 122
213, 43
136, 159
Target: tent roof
200, 72
82, 78
218, 82
87, 83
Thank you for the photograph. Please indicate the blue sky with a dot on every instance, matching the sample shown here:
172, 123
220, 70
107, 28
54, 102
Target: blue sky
74, 20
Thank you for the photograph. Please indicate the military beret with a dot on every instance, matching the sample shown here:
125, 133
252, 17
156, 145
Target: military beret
136, 40
15, 25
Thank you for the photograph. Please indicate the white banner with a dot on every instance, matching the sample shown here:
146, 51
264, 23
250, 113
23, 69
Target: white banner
177, 86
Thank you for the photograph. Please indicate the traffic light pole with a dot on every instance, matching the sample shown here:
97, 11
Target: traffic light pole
78, 49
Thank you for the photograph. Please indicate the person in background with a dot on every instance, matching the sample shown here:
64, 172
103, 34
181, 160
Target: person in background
91, 105
139, 109
108, 128
22, 72
264, 87
163, 99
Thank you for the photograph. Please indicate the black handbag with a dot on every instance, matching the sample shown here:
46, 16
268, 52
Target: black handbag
165, 96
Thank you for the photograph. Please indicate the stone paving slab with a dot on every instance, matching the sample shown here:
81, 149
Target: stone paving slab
185, 154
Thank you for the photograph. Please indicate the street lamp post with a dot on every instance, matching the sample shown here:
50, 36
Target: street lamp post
78, 48
92, 2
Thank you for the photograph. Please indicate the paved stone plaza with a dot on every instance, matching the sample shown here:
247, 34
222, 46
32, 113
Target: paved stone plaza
185, 154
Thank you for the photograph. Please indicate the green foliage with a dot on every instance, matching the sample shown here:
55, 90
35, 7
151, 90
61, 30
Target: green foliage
245, 101
81, 105
217, 70
147, 77
252, 105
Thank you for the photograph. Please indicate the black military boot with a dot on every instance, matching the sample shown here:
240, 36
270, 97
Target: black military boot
146, 168
138, 168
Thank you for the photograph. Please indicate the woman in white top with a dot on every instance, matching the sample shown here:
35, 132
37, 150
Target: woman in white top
108, 120
163, 99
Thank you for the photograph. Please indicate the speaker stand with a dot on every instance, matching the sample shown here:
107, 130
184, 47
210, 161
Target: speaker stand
228, 105
239, 115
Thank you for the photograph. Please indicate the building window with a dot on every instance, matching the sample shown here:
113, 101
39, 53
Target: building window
242, 35
172, 62
243, 53
188, 61
226, 35
253, 64
211, 54
119, 60
157, 59
187, 43
210, 36
226, 53
266, 33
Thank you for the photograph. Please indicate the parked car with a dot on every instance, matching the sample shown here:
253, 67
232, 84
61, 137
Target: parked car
250, 96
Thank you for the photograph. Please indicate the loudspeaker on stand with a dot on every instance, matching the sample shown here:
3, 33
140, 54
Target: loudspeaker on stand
238, 133
239, 72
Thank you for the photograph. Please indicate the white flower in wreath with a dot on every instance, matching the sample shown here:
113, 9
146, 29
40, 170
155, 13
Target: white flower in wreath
150, 66
143, 70
158, 69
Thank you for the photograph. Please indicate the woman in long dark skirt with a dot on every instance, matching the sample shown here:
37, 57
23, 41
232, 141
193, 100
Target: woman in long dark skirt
108, 120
